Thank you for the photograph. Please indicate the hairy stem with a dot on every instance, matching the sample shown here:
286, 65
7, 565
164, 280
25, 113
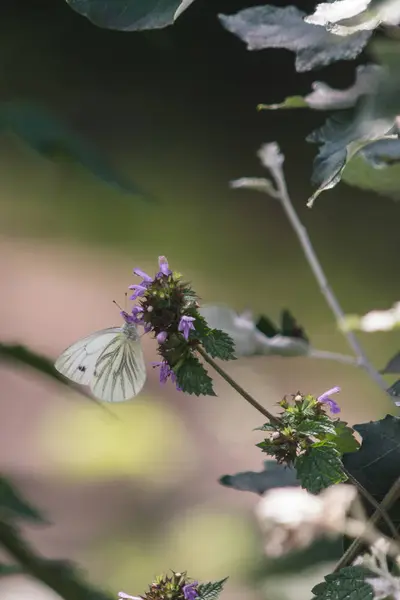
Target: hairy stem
315, 265
388, 501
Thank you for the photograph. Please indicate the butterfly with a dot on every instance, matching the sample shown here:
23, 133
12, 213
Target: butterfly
109, 361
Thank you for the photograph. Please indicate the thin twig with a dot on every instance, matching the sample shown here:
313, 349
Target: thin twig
336, 356
320, 276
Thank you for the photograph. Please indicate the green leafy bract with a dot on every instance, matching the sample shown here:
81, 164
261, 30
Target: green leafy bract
193, 378
13, 506
48, 136
343, 438
319, 467
10, 570
218, 344
211, 590
273, 475
347, 584
130, 15
272, 27
348, 17
376, 464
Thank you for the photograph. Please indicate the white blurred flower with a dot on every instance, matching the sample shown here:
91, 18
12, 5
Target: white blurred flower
291, 518
376, 320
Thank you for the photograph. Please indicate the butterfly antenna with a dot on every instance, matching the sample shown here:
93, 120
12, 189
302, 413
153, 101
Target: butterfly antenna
126, 301
116, 304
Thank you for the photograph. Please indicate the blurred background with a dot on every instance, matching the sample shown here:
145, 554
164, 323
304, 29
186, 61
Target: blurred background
173, 112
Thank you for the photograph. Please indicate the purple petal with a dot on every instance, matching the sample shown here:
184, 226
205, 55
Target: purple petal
161, 337
333, 406
164, 267
326, 394
143, 275
140, 290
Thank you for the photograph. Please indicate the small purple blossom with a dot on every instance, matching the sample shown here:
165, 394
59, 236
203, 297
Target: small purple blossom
333, 406
189, 591
143, 275
186, 325
140, 290
164, 267
166, 373
161, 337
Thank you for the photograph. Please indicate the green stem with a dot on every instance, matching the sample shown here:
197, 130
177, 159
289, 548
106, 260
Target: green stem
57, 575
277, 421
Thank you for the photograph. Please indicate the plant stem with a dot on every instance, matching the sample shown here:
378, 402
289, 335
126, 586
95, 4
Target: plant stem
237, 387
336, 356
315, 265
57, 575
388, 501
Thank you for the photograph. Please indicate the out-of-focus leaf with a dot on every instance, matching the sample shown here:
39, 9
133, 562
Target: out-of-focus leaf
347, 583
345, 135
273, 475
319, 467
394, 390
347, 17
376, 464
393, 366
211, 590
323, 97
291, 328
12, 505
48, 136
131, 15
272, 27
267, 327
10, 570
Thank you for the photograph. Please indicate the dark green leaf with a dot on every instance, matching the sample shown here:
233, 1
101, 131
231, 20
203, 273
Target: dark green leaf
290, 327
394, 389
318, 428
347, 584
376, 464
273, 475
319, 467
48, 136
10, 570
343, 438
193, 378
218, 344
211, 590
21, 354
272, 27
393, 366
12, 505
267, 327
130, 15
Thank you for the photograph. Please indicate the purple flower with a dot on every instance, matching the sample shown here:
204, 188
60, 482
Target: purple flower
164, 267
136, 316
189, 591
161, 337
333, 406
166, 373
185, 325
140, 290
146, 278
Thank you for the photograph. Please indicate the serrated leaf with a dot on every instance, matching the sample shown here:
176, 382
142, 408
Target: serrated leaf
323, 97
10, 570
131, 15
211, 590
324, 427
273, 475
348, 583
193, 378
48, 136
393, 366
346, 17
272, 27
13, 505
218, 344
343, 438
376, 464
319, 467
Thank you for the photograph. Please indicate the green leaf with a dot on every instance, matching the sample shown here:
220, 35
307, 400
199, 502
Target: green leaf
12, 505
130, 15
273, 475
267, 327
347, 584
272, 27
394, 390
343, 438
192, 378
319, 467
218, 344
10, 570
321, 427
376, 464
211, 590
323, 97
49, 137
393, 366
346, 19
290, 327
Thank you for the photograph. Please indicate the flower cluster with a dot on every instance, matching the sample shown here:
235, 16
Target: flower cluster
302, 423
168, 307
175, 587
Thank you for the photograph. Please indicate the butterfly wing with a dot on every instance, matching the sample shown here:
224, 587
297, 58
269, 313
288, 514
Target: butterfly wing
78, 361
120, 371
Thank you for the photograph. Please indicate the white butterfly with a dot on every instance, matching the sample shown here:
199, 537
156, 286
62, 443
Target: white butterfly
109, 361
